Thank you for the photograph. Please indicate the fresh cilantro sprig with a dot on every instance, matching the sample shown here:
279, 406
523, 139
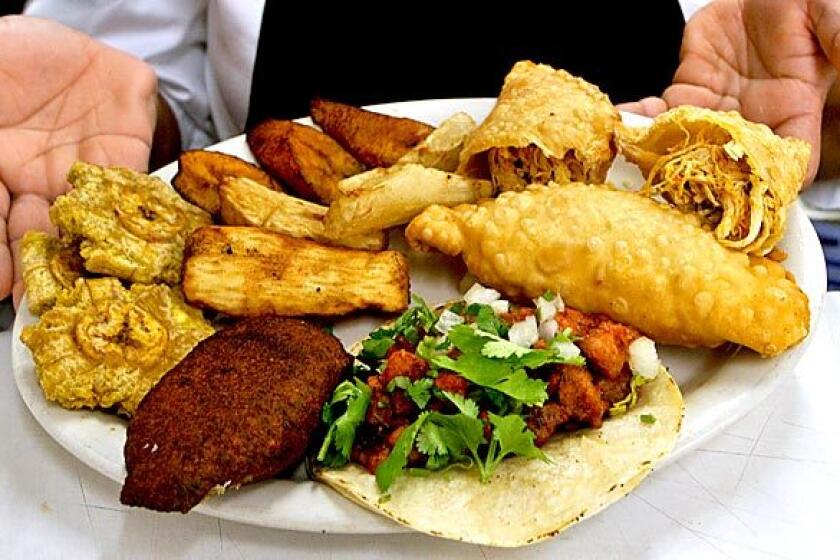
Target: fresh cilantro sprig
418, 391
343, 414
448, 439
511, 436
486, 319
490, 361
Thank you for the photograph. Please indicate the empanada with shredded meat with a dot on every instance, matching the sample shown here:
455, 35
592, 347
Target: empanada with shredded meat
736, 175
547, 125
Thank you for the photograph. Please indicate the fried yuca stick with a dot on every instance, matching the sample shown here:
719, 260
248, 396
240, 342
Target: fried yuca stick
383, 198
247, 203
245, 271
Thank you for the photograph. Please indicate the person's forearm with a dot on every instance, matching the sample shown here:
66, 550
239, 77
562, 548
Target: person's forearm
166, 143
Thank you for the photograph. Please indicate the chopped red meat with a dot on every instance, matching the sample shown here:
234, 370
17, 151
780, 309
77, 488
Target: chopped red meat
606, 347
404, 363
451, 382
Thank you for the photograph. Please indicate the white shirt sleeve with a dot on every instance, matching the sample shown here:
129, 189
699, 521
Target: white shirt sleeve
170, 35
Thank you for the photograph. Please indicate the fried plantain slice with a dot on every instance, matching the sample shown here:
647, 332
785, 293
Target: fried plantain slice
200, 172
304, 158
375, 139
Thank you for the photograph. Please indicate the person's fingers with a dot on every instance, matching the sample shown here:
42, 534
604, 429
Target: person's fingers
27, 212
701, 96
5, 254
649, 106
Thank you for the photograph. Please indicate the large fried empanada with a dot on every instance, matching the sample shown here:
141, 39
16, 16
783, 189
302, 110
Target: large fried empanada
736, 175
614, 252
547, 125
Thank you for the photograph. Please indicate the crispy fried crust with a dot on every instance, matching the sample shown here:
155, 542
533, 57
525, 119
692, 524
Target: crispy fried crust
614, 252
201, 172
103, 346
49, 268
374, 139
127, 224
238, 409
244, 271
306, 159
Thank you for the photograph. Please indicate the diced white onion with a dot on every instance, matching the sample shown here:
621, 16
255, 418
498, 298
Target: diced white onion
524, 333
548, 329
566, 349
644, 360
500, 306
545, 310
447, 320
479, 294
559, 304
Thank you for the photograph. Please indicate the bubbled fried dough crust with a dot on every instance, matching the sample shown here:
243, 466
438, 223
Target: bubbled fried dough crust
238, 409
614, 252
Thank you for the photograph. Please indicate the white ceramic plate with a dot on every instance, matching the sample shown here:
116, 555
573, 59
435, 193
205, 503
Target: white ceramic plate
718, 387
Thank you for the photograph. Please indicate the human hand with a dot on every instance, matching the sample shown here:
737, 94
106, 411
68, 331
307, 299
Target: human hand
769, 59
63, 97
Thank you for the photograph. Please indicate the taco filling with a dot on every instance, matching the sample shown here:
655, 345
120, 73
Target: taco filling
479, 380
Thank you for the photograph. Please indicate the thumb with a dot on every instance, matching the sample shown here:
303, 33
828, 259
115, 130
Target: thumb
5, 252
649, 106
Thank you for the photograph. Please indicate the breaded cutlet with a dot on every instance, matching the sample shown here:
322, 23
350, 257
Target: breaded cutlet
238, 409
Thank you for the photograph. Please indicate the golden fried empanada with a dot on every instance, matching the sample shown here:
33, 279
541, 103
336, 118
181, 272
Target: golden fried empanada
547, 125
128, 224
614, 252
736, 175
102, 345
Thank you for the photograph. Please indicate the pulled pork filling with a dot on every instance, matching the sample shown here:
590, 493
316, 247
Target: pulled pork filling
705, 180
516, 168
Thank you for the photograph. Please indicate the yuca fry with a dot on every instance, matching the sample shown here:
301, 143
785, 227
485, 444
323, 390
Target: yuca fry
200, 172
247, 203
304, 158
383, 198
375, 139
244, 271
442, 148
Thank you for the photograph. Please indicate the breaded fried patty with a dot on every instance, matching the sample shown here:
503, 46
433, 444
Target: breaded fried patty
238, 409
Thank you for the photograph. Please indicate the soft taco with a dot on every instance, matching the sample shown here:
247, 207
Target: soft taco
495, 423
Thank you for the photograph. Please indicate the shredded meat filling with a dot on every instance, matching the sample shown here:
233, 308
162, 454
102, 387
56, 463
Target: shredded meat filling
516, 168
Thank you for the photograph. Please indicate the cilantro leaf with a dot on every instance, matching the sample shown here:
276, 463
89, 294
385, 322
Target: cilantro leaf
486, 319
420, 392
375, 348
355, 398
430, 441
503, 349
502, 376
430, 347
388, 471
465, 406
647, 419
513, 436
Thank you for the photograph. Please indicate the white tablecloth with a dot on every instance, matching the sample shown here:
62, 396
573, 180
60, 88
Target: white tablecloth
768, 487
